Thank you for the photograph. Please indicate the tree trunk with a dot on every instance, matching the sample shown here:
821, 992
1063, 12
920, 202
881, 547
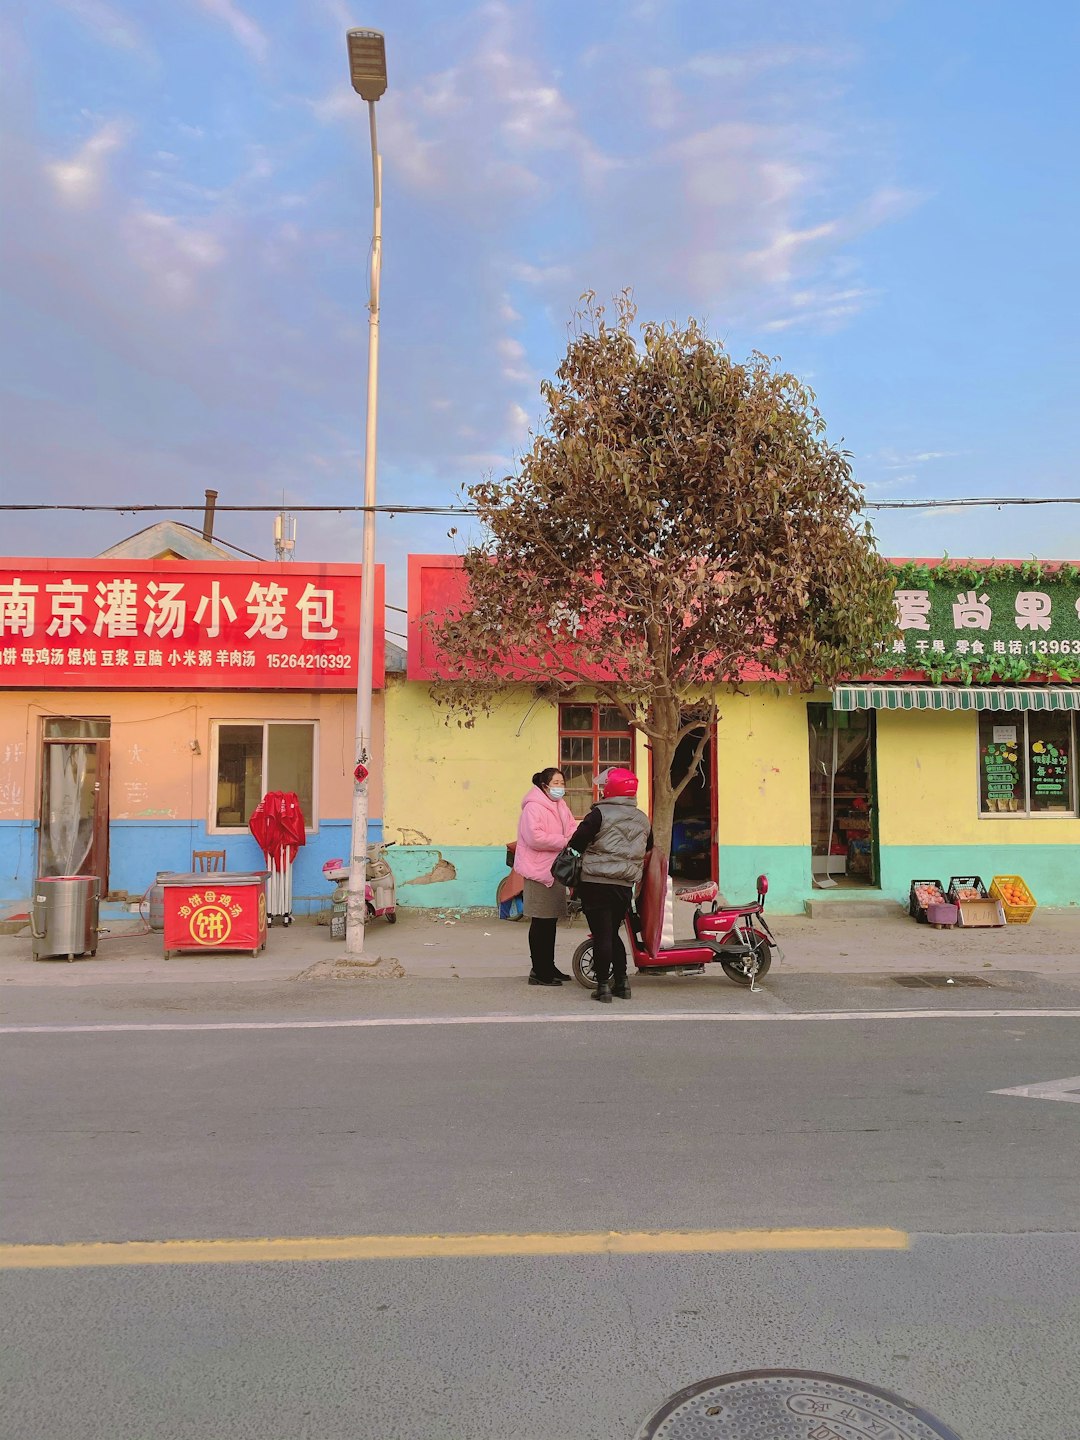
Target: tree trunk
663, 797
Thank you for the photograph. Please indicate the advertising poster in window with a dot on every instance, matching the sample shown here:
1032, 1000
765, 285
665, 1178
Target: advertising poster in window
1002, 780
182, 625
1049, 762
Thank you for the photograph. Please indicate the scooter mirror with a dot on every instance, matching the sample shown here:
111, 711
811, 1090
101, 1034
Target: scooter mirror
762, 884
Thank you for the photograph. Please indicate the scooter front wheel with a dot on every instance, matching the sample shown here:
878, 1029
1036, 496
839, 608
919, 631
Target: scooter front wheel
391, 917
584, 972
738, 966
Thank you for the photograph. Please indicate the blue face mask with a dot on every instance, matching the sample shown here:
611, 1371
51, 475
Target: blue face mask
556, 792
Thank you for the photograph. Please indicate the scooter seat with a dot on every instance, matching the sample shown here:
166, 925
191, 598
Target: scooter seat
699, 894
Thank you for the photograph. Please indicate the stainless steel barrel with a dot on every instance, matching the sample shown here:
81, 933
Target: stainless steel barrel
157, 900
64, 916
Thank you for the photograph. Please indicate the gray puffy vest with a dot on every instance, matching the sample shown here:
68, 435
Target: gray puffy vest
617, 854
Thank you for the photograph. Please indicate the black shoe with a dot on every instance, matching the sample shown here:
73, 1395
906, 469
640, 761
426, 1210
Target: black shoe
621, 990
559, 975
603, 994
534, 979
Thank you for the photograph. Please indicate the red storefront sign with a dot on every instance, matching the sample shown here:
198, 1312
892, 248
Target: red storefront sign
215, 912
182, 625
438, 588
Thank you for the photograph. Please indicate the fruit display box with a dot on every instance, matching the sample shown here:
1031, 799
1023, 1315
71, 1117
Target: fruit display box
1016, 899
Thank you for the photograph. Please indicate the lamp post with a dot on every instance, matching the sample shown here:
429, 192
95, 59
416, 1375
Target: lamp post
367, 70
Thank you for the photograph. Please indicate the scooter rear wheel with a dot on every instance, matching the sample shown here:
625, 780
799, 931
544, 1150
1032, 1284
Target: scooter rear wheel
584, 973
737, 966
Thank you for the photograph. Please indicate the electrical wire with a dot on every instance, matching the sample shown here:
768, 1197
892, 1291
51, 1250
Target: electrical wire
963, 502
259, 509
971, 500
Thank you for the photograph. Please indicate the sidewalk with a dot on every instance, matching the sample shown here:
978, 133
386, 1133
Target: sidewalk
452, 947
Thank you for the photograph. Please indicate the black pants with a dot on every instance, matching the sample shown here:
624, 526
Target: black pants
542, 948
605, 909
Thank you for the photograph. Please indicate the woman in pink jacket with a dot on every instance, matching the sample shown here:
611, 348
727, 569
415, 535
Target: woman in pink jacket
545, 826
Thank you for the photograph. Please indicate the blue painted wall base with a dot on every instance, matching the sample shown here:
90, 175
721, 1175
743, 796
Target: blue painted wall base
465, 877
138, 849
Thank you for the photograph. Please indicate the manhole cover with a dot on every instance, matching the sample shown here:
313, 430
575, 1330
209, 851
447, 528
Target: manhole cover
789, 1405
940, 982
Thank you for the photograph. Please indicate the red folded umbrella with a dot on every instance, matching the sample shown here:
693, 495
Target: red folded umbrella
291, 822
278, 826
266, 827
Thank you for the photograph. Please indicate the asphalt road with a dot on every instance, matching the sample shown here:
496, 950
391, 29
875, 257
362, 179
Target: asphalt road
698, 1122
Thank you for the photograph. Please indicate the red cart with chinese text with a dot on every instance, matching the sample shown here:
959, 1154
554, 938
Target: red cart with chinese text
215, 911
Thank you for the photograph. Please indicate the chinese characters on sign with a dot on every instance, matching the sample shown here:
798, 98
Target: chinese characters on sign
1050, 774
141, 624
945, 624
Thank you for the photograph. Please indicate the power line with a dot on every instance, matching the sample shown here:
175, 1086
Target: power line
970, 501
261, 509
962, 503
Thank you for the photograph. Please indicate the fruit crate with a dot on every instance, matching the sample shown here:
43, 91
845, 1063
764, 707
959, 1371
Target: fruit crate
1016, 899
922, 894
977, 909
966, 887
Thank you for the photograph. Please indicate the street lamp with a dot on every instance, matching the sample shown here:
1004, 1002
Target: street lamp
367, 70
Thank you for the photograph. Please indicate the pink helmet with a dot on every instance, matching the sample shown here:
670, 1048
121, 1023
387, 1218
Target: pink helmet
618, 781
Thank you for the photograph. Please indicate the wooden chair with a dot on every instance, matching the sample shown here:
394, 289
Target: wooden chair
204, 861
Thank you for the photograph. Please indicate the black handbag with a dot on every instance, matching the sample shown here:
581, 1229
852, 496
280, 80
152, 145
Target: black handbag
566, 868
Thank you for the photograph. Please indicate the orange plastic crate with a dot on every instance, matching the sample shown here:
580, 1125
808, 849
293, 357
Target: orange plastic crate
1016, 899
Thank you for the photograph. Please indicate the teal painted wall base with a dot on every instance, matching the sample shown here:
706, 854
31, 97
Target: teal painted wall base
1052, 872
788, 869
447, 877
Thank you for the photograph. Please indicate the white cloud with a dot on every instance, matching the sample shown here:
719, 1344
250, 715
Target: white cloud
743, 64
80, 179
173, 254
900, 460
108, 24
822, 308
888, 487
245, 30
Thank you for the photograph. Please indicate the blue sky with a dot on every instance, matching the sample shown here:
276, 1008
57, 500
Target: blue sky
881, 193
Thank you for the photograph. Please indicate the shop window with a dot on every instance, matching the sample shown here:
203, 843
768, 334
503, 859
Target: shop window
77, 727
254, 756
1026, 763
591, 739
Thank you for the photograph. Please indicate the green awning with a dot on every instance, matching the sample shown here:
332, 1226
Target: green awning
955, 697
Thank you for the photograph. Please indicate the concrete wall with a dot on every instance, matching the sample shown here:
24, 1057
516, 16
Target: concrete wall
454, 791
763, 796
162, 793
930, 825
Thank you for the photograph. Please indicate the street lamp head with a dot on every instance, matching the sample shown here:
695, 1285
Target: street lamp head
367, 62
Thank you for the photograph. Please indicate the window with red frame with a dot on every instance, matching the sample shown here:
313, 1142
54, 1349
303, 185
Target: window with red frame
591, 738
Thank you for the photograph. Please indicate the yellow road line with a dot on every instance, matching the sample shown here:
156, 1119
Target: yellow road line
428, 1247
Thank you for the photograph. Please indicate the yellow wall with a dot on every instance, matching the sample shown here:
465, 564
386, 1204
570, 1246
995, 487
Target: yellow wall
451, 785
928, 786
763, 768
154, 773
448, 784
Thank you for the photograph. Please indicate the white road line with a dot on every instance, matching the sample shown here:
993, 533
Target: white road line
712, 1017
1048, 1090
